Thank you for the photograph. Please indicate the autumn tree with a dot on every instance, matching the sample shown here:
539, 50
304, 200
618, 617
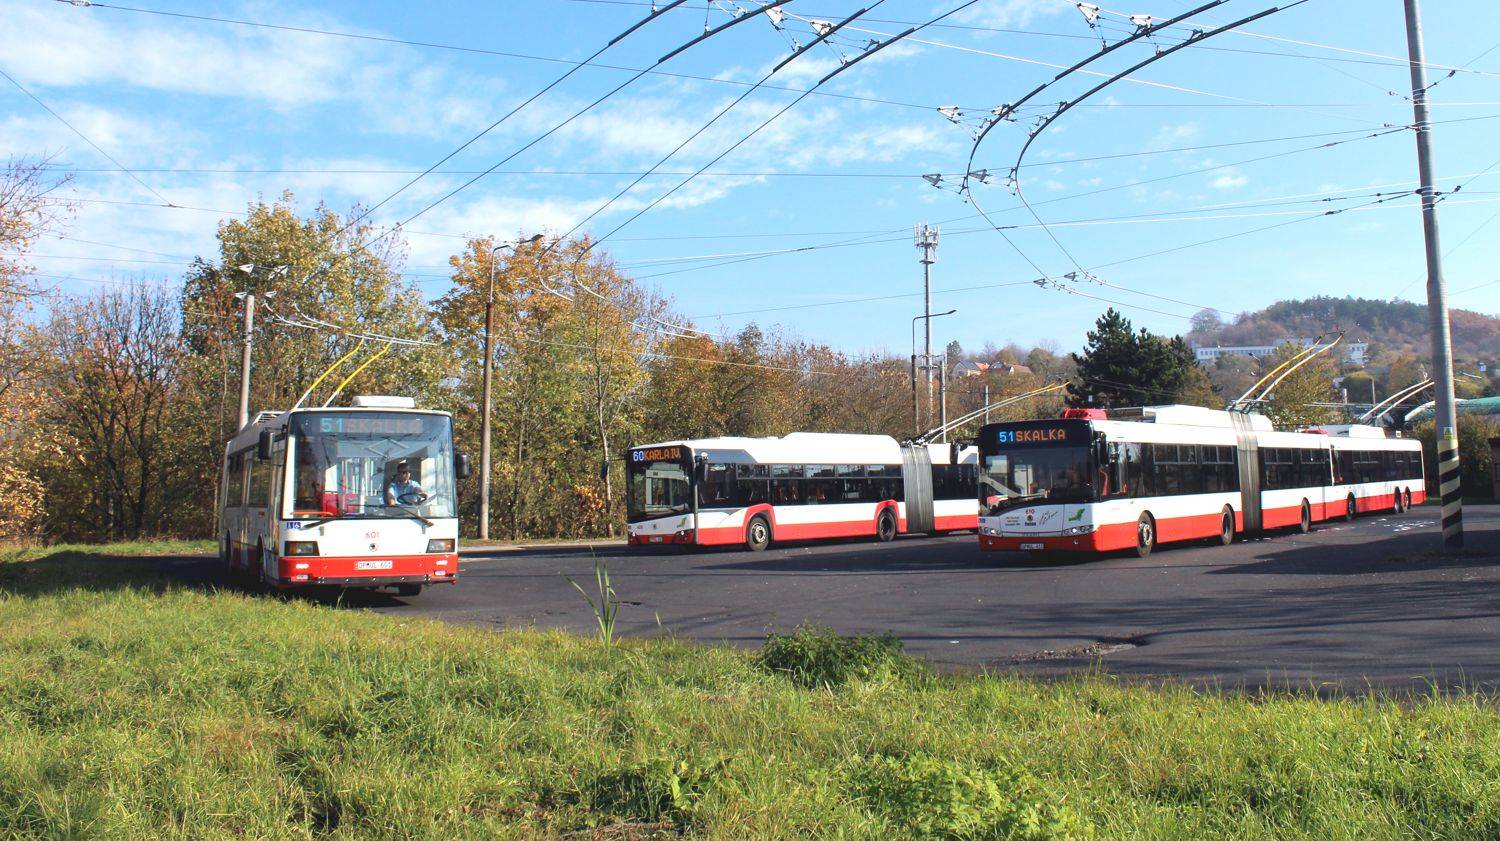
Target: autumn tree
1293, 401
319, 280
105, 454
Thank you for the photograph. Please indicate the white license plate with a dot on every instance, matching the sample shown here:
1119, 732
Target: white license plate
1030, 546
656, 538
372, 564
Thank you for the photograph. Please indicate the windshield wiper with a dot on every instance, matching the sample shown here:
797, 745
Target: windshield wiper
410, 513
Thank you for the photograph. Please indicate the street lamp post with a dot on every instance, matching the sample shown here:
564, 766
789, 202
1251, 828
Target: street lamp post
489, 365
916, 419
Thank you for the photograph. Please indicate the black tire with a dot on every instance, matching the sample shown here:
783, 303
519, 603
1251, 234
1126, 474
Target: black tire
408, 590
1226, 528
885, 527
1350, 509
757, 534
1305, 524
1145, 535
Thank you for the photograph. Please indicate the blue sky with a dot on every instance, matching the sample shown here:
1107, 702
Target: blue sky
200, 109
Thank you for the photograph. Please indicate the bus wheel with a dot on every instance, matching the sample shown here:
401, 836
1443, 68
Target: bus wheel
1226, 528
757, 534
1145, 535
408, 590
885, 527
1349, 509
1305, 524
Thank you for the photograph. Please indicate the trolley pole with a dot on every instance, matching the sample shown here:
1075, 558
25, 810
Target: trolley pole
926, 238
245, 360
1437, 296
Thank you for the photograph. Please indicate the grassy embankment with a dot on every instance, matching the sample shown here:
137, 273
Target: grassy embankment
131, 706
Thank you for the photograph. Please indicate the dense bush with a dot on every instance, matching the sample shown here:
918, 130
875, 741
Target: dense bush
812, 657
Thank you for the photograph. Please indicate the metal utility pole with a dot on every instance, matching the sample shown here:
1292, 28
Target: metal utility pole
986, 403
926, 238
489, 373
1437, 295
916, 418
245, 360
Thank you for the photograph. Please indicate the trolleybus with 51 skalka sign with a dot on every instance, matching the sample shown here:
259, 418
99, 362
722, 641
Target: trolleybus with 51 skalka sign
359, 496
1130, 480
806, 485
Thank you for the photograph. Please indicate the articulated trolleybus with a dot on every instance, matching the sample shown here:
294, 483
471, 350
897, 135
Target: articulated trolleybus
1091, 483
806, 485
361, 496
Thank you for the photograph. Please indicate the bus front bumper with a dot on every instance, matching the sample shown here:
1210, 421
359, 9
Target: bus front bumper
314, 570
1040, 543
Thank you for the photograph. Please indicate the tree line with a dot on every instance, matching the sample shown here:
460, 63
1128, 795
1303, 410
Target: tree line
118, 403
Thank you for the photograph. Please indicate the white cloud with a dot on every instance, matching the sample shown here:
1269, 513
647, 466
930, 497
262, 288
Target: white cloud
1009, 14
1229, 181
1169, 136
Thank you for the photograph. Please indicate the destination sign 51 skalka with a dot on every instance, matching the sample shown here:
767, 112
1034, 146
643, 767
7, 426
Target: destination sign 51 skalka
1048, 435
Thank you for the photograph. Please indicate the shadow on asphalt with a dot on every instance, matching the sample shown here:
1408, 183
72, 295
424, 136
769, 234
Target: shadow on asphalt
1405, 552
71, 570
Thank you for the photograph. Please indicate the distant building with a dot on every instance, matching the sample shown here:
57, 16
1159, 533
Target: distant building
1355, 351
970, 368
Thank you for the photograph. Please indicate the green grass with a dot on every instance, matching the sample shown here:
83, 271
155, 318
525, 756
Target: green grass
131, 707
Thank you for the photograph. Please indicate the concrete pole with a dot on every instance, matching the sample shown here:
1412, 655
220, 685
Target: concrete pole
245, 360
943, 397
1437, 296
484, 424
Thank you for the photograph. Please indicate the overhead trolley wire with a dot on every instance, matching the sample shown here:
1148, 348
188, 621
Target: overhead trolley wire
498, 53
97, 148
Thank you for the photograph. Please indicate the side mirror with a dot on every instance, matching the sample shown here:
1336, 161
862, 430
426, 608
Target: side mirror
263, 446
1101, 451
461, 465
700, 470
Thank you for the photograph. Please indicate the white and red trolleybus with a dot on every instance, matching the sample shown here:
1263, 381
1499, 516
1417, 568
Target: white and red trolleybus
806, 485
314, 497
1088, 482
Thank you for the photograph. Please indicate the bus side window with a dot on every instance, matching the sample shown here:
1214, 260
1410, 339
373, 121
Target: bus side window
786, 484
1132, 471
717, 490
753, 483
260, 483
234, 495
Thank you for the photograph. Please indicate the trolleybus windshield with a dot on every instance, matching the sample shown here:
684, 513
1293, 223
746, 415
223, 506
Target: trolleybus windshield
658, 487
1039, 475
348, 464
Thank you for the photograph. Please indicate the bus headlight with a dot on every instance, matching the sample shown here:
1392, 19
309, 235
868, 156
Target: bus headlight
301, 547
440, 545
1084, 529
988, 530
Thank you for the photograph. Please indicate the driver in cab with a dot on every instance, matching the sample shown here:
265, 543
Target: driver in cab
402, 488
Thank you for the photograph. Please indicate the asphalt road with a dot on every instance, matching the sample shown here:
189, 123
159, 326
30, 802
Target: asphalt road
1349, 607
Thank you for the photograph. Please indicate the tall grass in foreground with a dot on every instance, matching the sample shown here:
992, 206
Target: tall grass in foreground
136, 712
